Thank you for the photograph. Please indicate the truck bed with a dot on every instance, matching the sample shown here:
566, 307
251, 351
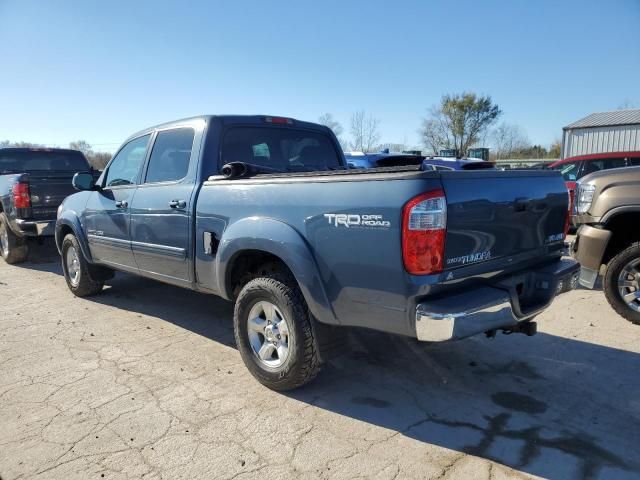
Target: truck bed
498, 222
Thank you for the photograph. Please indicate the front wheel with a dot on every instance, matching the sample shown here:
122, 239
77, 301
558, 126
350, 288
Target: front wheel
273, 332
622, 283
12, 248
76, 269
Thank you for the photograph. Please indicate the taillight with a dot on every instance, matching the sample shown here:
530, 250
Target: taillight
21, 197
424, 227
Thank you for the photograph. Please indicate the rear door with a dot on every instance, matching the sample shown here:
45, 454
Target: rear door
502, 214
161, 209
106, 216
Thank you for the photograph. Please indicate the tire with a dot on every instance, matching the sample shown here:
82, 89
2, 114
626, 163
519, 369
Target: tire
76, 270
278, 370
13, 248
624, 267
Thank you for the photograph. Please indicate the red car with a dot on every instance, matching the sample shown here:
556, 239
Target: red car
574, 168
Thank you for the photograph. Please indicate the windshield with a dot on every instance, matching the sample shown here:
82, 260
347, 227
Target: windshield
569, 171
32, 160
281, 149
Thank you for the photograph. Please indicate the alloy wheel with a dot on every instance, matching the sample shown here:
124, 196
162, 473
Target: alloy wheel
268, 332
629, 284
73, 266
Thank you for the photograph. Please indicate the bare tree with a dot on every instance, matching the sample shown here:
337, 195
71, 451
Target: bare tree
458, 122
627, 104
508, 140
97, 160
364, 131
328, 120
83, 146
8, 143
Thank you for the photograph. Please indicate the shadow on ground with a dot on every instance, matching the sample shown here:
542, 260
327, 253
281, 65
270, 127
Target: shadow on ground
547, 405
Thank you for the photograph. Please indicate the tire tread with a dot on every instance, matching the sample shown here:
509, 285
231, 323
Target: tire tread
87, 285
310, 363
611, 278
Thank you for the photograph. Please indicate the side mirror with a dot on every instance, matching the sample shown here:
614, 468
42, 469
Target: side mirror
84, 181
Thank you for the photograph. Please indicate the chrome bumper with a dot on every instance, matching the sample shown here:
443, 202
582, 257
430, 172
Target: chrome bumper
441, 321
490, 308
35, 228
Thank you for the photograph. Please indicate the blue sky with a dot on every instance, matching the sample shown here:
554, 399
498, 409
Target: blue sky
101, 70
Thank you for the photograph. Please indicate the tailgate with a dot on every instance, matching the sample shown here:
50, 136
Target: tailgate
47, 193
496, 214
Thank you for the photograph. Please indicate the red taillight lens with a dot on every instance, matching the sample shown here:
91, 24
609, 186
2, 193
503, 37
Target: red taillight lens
21, 197
279, 120
424, 227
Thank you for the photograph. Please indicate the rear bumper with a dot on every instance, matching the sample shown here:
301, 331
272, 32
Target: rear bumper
35, 228
588, 249
493, 307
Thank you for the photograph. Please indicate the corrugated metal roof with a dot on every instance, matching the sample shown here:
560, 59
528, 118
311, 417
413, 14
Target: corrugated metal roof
607, 119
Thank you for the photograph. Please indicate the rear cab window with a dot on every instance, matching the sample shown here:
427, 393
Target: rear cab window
280, 149
12, 161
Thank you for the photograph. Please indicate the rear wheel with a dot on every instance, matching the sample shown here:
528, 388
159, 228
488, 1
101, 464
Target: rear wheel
12, 248
274, 335
77, 272
622, 283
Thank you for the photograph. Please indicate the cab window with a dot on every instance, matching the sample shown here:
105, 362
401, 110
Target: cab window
125, 166
280, 149
170, 155
592, 166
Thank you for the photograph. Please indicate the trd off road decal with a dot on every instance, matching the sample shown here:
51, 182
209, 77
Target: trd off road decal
349, 220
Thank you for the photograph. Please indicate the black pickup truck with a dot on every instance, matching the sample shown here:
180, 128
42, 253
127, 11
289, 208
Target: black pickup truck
33, 184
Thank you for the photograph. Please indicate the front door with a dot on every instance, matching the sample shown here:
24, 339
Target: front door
107, 214
161, 209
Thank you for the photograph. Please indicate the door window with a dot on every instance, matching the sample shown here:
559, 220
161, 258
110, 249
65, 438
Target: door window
592, 166
125, 166
170, 155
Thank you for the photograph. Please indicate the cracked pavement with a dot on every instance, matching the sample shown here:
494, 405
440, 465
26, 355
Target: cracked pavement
143, 382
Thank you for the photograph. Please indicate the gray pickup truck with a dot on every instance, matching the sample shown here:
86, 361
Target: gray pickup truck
264, 211
33, 183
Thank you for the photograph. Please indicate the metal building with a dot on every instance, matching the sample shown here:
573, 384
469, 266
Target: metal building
603, 132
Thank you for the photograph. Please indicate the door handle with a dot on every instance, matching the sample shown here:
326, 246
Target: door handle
122, 204
177, 204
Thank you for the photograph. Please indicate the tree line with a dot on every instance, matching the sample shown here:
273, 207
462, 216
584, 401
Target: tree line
458, 122
97, 160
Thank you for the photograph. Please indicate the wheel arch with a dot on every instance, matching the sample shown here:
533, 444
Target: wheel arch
70, 224
623, 226
255, 242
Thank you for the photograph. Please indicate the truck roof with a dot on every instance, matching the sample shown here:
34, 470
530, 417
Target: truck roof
38, 149
230, 119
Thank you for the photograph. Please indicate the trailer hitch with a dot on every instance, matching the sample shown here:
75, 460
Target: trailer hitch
528, 328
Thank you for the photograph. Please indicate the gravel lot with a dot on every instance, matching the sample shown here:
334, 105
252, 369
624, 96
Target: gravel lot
143, 381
